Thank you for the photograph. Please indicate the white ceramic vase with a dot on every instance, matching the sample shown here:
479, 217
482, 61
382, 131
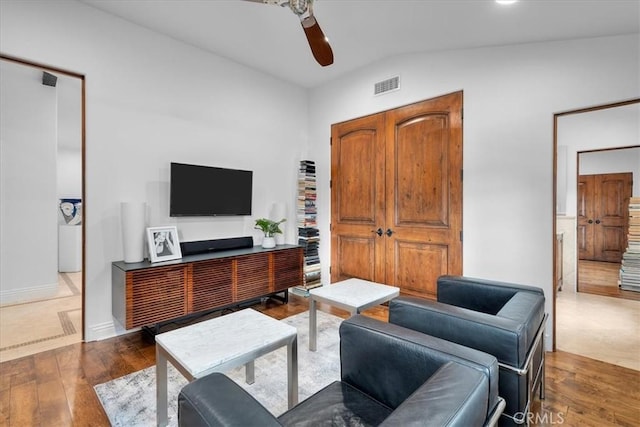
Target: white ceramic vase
269, 242
133, 216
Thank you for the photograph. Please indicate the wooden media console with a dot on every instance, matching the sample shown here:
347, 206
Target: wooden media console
146, 294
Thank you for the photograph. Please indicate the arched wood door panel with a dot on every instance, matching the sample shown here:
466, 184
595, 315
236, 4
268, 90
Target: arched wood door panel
357, 199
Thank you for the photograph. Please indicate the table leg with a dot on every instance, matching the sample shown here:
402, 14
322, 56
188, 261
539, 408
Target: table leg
292, 372
161, 388
312, 324
250, 372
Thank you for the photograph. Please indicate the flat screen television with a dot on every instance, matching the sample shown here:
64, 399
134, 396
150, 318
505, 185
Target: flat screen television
209, 191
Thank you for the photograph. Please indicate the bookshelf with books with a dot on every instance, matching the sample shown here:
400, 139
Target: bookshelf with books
308, 234
630, 267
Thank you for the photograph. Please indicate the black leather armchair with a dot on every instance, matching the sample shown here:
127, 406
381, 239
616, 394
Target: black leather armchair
502, 319
389, 376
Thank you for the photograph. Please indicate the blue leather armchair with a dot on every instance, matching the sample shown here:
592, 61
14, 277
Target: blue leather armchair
503, 319
390, 376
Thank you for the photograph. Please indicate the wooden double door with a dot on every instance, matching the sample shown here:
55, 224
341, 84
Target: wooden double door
603, 213
396, 195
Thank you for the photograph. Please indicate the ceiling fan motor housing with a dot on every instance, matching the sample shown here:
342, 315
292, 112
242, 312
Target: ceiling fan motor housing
299, 7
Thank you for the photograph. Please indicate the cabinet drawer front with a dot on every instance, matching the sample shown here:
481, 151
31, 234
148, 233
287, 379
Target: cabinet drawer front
212, 284
253, 276
287, 269
155, 295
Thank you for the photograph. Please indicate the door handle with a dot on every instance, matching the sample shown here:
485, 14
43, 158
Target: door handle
378, 231
389, 232
597, 221
590, 221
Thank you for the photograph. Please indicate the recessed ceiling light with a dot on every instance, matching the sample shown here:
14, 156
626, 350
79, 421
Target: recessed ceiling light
506, 1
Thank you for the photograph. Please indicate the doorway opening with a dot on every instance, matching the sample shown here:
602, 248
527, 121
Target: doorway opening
595, 143
42, 282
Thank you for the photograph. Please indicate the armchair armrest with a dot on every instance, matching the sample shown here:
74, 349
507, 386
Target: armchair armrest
454, 396
216, 400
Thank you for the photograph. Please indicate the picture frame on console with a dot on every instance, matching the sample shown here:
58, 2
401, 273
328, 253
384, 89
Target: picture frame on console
163, 244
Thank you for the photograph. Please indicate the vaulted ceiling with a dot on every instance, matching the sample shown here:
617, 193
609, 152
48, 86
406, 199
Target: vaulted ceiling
270, 38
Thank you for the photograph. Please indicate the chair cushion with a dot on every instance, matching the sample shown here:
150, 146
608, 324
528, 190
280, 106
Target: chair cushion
338, 404
370, 351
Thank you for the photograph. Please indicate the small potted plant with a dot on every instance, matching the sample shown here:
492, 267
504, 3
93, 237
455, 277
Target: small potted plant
269, 228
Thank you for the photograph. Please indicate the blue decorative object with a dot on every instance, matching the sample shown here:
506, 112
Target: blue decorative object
71, 211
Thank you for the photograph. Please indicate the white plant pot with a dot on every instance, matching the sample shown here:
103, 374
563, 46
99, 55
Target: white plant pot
268, 242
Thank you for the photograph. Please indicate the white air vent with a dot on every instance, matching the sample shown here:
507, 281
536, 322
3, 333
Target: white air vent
387, 85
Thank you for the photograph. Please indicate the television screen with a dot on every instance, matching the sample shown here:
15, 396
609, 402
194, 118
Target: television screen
209, 191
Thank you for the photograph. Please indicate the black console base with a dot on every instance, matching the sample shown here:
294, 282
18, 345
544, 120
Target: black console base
214, 245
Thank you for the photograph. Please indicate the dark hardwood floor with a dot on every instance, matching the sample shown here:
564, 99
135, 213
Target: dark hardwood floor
601, 278
55, 388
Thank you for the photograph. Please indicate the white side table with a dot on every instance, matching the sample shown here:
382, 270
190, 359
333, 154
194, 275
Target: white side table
221, 344
353, 295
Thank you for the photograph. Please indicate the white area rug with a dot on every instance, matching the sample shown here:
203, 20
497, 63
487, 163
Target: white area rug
131, 400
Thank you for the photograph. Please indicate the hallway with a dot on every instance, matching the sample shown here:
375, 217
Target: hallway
32, 327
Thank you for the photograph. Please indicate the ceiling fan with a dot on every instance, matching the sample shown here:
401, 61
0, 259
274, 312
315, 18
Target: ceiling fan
318, 43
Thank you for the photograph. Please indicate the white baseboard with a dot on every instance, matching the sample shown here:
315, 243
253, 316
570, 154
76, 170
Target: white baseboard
15, 296
103, 331
100, 331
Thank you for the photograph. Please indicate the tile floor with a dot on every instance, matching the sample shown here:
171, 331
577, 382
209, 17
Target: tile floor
29, 328
600, 327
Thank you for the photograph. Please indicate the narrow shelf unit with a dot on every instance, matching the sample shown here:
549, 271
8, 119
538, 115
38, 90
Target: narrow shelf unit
308, 234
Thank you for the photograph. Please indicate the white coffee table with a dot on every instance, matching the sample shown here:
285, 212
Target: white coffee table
222, 344
353, 295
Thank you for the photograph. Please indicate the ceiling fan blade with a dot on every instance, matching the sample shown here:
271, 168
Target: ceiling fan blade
317, 41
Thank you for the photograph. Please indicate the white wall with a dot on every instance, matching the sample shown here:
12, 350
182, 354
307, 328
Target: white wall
613, 161
595, 130
69, 91
149, 101
567, 225
28, 222
69, 173
510, 96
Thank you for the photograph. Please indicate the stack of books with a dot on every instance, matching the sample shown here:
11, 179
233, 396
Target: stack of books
630, 268
308, 234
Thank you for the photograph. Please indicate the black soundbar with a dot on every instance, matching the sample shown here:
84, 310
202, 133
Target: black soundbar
204, 246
